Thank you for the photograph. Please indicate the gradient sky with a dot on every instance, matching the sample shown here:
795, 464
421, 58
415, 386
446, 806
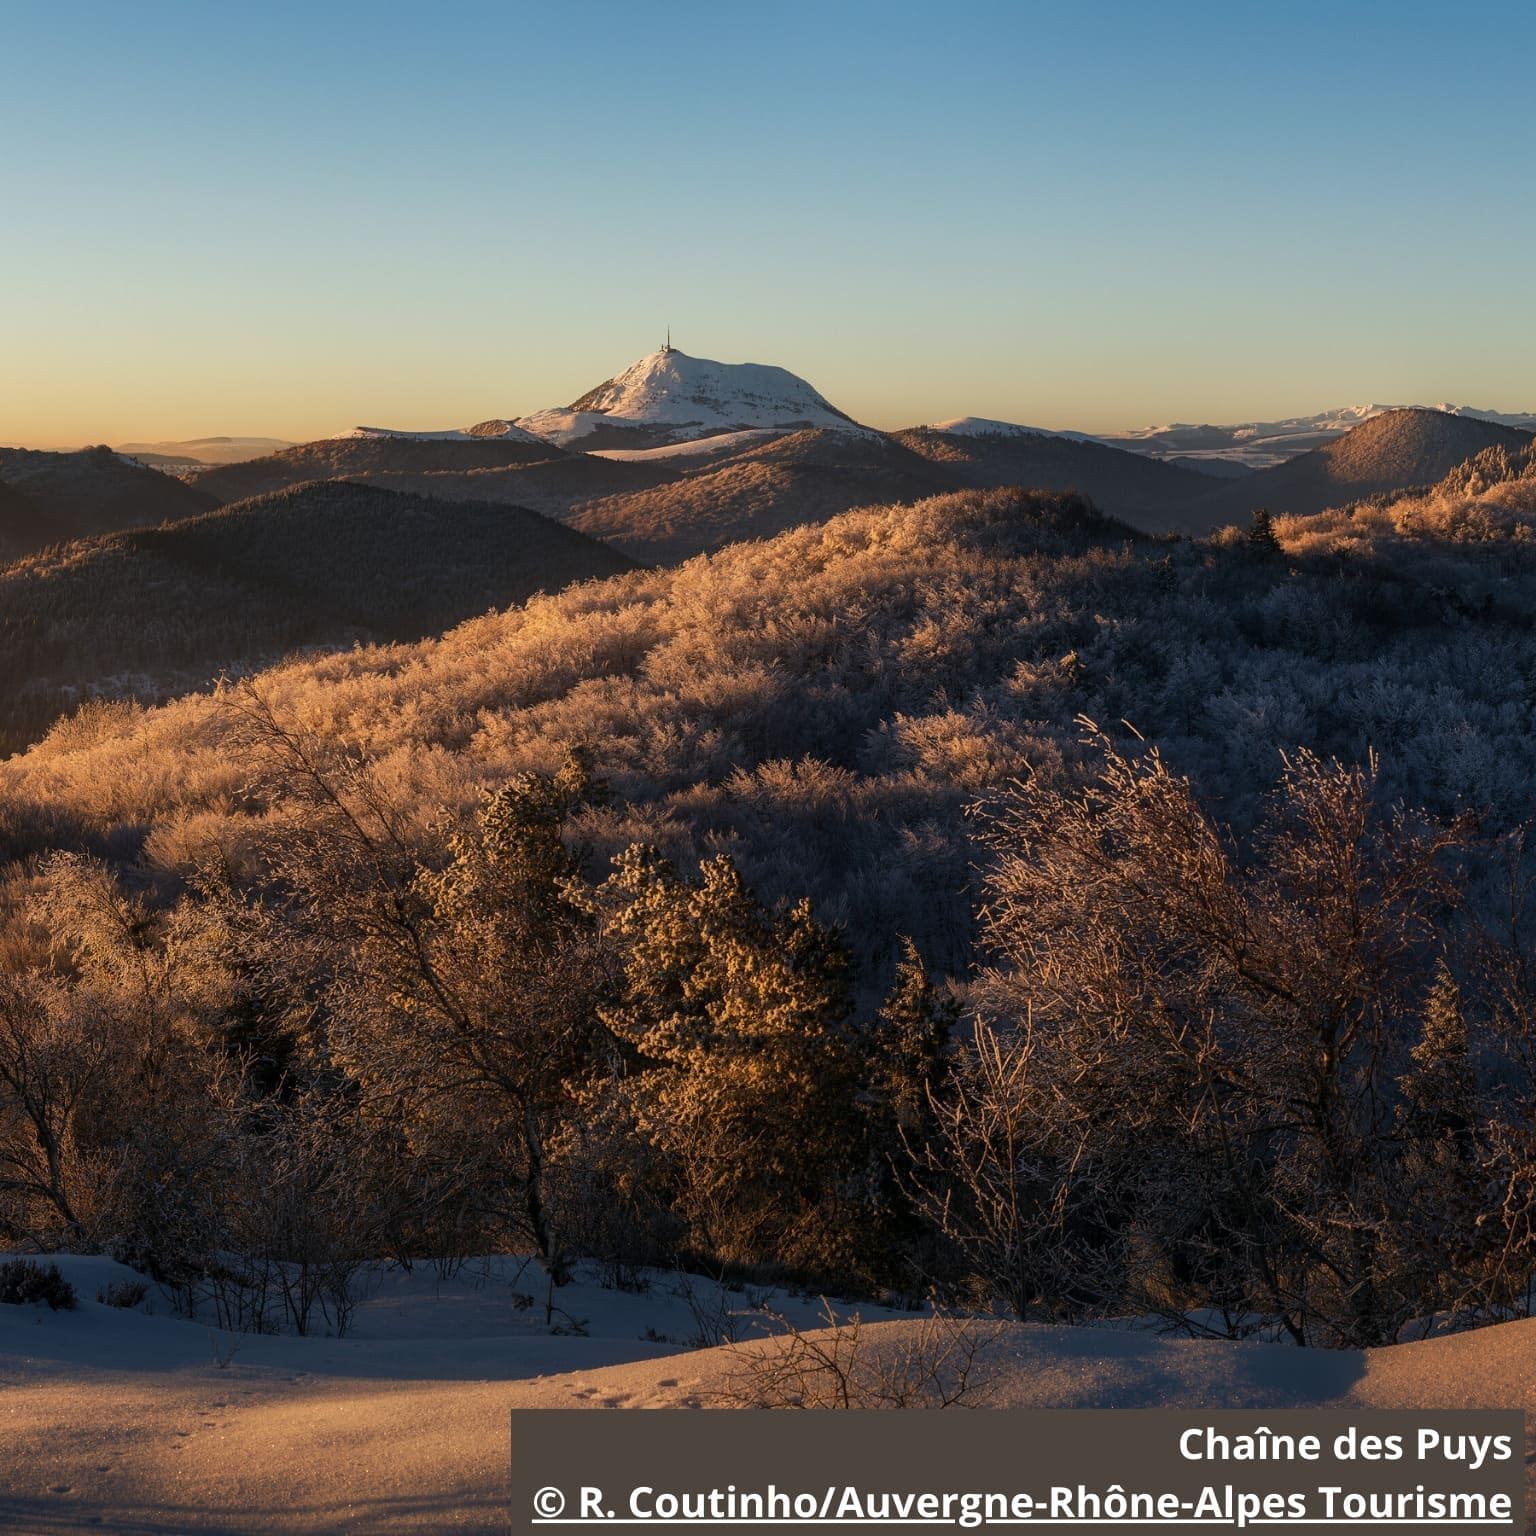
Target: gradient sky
287, 219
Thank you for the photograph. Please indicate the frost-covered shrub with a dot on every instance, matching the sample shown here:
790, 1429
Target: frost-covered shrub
122, 1293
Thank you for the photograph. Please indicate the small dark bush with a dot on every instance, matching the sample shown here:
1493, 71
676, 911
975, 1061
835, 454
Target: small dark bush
25, 1280
122, 1293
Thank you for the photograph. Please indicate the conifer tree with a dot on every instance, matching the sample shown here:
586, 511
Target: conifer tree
1439, 1089
1261, 533
908, 1052
909, 1045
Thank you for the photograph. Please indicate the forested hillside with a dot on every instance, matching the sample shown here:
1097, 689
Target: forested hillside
863, 679
971, 894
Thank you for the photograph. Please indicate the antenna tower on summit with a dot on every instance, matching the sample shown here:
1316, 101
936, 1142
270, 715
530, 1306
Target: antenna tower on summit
668, 346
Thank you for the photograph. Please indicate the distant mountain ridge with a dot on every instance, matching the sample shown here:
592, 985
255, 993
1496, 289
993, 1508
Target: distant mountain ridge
676, 456
1129, 485
669, 398
1263, 444
204, 450
695, 493
668, 508
498, 431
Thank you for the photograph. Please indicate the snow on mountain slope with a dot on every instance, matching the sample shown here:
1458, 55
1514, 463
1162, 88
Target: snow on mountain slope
1261, 444
670, 397
692, 448
484, 429
982, 426
1524, 420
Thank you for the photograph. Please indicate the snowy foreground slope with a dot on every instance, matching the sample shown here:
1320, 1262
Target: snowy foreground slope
120, 1421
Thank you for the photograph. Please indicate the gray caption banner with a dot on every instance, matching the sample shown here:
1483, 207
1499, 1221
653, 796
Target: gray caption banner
1293, 1470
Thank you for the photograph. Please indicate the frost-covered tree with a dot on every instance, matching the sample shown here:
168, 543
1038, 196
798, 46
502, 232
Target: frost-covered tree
467, 1010
1209, 1039
739, 1018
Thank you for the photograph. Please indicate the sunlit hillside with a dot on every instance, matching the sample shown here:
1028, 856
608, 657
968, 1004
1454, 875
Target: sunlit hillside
852, 686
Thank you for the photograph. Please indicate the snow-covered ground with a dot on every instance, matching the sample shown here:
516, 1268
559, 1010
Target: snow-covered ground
692, 448
140, 1421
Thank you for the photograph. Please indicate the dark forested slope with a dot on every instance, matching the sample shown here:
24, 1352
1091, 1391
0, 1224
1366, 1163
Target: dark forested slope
345, 458
151, 612
49, 498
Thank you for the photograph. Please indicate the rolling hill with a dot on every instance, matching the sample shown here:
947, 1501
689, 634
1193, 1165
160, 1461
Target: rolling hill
50, 498
552, 487
1143, 490
806, 477
153, 612
677, 456
665, 506
365, 452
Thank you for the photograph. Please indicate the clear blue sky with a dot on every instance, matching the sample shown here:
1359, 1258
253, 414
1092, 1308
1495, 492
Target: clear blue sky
284, 220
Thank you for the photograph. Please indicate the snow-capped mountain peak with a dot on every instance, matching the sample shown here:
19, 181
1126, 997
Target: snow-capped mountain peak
670, 397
